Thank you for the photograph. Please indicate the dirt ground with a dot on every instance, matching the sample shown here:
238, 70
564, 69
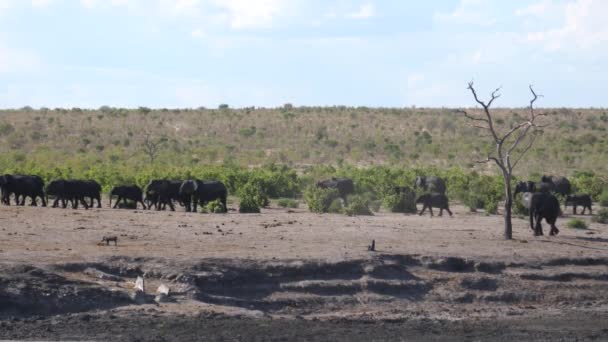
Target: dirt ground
292, 275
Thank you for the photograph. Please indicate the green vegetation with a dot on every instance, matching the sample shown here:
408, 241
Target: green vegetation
287, 203
281, 152
601, 216
251, 198
357, 205
322, 200
400, 202
216, 207
298, 136
603, 198
576, 223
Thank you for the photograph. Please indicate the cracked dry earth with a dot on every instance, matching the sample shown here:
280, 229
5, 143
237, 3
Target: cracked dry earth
293, 275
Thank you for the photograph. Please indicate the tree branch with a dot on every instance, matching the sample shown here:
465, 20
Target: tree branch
532, 139
470, 117
486, 109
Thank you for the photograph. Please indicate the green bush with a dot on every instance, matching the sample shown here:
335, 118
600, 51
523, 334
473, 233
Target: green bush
336, 206
357, 205
287, 203
603, 198
474, 201
519, 208
400, 203
216, 206
601, 217
319, 200
491, 208
252, 198
576, 223
374, 205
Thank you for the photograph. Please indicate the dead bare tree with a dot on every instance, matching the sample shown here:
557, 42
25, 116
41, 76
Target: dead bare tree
511, 146
152, 145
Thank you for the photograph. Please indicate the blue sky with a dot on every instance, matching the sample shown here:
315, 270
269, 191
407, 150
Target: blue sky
391, 53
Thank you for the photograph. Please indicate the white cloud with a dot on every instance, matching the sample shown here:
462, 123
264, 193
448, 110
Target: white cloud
41, 3
198, 33
241, 14
366, 11
467, 12
16, 60
584, 27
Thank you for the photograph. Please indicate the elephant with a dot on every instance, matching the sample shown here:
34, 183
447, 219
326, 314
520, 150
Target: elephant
69, 190
583, 200
127, 192
542, 205
92, 189
20, 185
431, 184
193, 192
529, 186
162, 192
434, 200
345, 186
558, 185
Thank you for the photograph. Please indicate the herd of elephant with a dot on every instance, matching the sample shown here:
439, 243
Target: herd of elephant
537, 197
159, 193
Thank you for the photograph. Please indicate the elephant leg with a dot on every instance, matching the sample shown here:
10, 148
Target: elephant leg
441, 211
142, 204
195, 204
84, 203
539, 227
431, 210
574, 209
449, 211
170, 202
422, 211
116, 203
98, 201
225, 205
590, 212
43, 200
55, 203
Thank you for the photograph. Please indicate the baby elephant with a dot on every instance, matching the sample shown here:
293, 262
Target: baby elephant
434, 200
583, 200
127, 192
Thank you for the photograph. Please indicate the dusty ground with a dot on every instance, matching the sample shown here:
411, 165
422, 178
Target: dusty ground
284, 275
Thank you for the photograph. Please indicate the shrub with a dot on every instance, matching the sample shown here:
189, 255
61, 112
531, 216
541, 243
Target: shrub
576, 224
474, 201
400, 203
216, 206
357, 205
319, 200
491, 207
287, 203
336, 206
519, 208
252, 198
603, 198
247, 132
374, 205
601, 217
